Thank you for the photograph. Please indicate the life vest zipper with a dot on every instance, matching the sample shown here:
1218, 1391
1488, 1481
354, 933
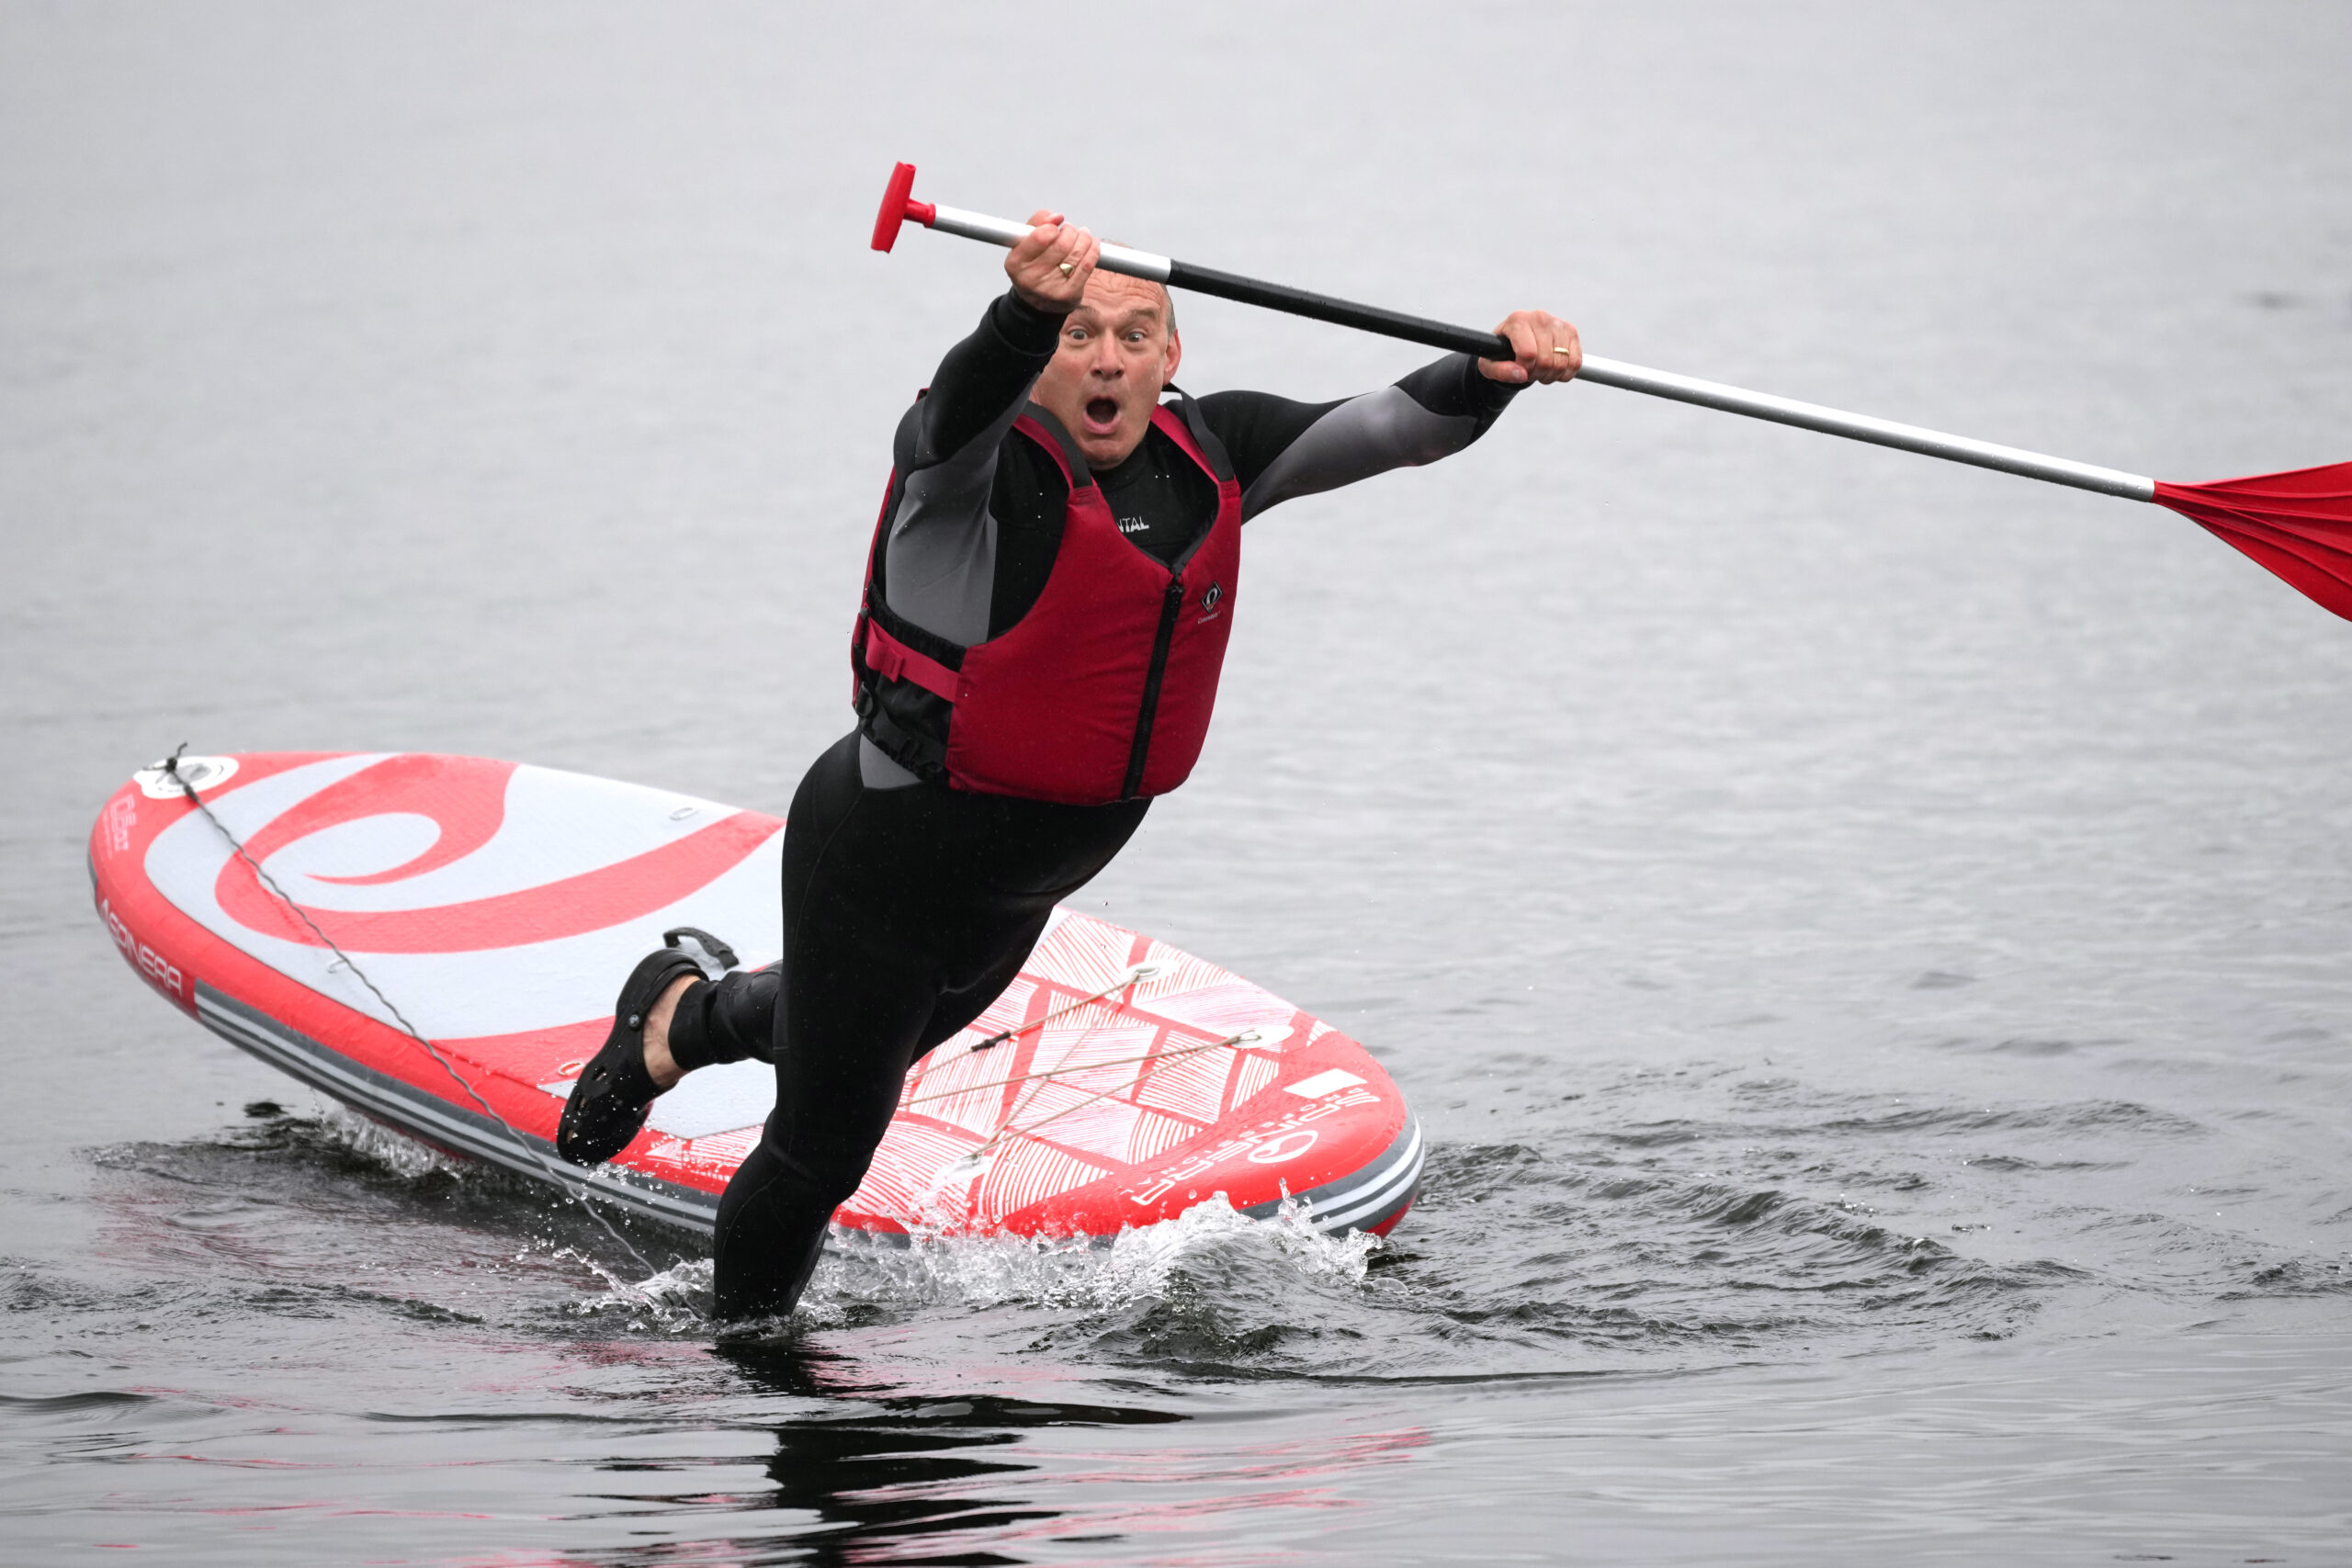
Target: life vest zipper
1169, 605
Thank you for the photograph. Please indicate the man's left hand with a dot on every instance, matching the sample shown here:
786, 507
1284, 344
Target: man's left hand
1548, 349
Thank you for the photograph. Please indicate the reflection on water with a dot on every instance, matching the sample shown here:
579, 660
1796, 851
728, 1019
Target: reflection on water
884, 1468
902, 1478
1051, 1407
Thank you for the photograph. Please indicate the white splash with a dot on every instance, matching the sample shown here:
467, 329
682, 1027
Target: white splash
939, 1270
1081, 1273
672, 1299
401, 1155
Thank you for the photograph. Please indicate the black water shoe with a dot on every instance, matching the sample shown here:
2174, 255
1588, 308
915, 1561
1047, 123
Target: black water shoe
608, 1104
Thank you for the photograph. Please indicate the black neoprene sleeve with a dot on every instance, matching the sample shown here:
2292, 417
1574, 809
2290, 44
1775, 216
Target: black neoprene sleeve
985, 374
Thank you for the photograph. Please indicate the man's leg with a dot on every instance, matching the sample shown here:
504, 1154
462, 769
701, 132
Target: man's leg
906, 913
855, 987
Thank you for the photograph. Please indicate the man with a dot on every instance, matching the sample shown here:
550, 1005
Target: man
1053, 580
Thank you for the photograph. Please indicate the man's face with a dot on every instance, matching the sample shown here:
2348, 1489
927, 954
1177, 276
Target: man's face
1116, 354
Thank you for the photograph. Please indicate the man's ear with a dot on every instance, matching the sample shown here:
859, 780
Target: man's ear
1175, 357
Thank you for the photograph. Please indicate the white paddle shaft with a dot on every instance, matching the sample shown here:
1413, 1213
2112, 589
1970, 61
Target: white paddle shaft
1000, 231
1862, 427
1601, 372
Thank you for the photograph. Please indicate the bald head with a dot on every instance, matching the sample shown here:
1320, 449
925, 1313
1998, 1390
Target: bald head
1118, 350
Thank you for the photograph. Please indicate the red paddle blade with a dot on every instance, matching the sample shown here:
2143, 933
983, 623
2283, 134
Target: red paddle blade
2297, 524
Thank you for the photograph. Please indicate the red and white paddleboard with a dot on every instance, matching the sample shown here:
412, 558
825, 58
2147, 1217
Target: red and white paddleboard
496, 908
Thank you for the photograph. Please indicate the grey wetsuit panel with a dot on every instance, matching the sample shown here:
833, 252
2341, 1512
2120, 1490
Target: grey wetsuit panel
1364, 437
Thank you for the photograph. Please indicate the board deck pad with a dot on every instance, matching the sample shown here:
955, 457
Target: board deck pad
493, 909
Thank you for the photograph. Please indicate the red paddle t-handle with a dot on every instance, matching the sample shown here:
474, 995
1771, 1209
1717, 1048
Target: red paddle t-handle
898, 205
899, 208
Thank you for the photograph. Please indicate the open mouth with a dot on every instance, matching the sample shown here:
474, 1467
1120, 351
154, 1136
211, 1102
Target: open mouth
1102, 415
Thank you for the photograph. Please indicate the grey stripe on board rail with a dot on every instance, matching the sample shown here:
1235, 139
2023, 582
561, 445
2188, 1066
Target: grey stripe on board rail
434, 1121
1365, 1196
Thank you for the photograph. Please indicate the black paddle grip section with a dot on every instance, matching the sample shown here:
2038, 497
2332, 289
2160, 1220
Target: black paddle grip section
1338, 312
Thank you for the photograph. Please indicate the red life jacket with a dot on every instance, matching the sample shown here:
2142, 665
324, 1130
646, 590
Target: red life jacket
1101, 691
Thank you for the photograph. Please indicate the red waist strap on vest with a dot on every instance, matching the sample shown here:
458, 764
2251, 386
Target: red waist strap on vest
894, 660
1103, 692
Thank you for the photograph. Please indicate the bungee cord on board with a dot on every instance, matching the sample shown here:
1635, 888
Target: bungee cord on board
1128, 980
579, 1186
1134, 974
1066, 1068
1030, 1096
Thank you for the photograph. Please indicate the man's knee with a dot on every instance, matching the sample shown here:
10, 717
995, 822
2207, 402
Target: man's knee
773, 1180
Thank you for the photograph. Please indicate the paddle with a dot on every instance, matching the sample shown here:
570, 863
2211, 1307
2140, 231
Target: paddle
2297, 525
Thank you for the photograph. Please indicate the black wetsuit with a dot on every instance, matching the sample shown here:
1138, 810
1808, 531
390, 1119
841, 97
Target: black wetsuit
909, 906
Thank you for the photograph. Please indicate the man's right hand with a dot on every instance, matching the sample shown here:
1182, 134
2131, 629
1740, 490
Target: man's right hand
1051, 266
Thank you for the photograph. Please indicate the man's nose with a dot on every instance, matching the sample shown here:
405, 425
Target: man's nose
1103, 358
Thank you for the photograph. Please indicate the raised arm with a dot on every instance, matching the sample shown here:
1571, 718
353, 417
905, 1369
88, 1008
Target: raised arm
938, 568
1282, 449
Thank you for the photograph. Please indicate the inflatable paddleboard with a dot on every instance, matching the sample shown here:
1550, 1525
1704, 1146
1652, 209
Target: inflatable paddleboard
435, 942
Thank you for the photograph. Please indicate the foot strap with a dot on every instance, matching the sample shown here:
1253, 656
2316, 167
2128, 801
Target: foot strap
723, 954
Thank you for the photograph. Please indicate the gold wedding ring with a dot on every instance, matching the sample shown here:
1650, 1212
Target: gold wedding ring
1559, 348
1068, 269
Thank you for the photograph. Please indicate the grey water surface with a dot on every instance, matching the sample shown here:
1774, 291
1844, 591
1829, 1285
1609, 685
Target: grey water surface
1868, 938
